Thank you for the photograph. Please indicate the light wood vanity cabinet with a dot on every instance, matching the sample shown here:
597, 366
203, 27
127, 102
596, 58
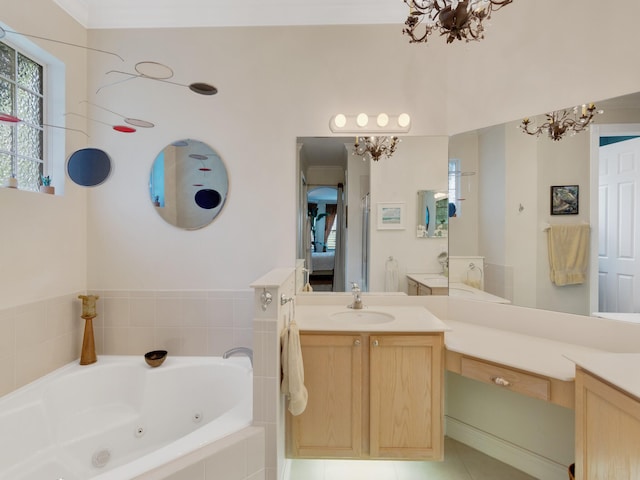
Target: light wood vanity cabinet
370, 396
330, 426
607, 430
406, 398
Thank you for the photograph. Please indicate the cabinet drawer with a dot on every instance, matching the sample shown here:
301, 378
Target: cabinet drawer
514, 380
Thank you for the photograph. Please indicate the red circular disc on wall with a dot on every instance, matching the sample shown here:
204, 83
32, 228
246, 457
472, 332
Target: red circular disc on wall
5, 117
123, 129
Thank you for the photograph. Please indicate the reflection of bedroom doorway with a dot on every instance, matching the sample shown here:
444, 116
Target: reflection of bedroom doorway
322, 207
615, 180
328, 162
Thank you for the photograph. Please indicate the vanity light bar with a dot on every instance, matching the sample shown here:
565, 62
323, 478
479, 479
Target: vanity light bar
364, 123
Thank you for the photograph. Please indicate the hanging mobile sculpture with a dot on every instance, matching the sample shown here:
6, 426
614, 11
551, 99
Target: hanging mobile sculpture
136, 122
160, 73
117, 128
4, 31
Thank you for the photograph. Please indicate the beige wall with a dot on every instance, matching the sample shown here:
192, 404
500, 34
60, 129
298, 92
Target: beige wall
43, 251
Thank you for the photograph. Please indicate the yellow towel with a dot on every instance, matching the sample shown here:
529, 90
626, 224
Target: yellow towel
293, 370
568, 253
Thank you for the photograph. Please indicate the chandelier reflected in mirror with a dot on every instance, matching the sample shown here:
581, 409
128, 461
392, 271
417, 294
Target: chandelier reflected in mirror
454, 19
562, 122
375, 147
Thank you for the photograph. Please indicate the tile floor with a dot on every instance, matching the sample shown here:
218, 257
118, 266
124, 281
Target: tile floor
461, 462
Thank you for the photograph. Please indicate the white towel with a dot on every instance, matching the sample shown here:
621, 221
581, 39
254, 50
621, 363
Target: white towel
391, 275
293, 370
568, 253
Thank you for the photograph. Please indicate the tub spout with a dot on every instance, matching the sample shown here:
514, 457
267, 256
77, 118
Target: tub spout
239, 351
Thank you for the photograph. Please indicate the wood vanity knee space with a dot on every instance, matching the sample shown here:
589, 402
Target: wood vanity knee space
371, 394
560, 392
534, 366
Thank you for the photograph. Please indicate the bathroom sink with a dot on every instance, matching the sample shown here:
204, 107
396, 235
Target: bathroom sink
362, 317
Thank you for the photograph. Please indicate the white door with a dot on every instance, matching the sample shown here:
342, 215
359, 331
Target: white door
619, 227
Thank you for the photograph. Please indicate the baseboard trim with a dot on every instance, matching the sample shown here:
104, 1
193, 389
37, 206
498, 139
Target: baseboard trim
509, 453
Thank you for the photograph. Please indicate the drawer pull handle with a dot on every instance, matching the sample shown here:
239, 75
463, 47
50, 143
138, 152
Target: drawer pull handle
503, 382
356, 343
376, 343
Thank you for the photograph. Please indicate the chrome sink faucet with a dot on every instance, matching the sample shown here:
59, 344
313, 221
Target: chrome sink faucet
357, 301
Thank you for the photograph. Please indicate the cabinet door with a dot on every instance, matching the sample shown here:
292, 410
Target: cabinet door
412, 287
331, 424
406, 376
607, 431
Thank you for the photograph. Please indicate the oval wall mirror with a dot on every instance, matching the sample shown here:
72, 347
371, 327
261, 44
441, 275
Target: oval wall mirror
89, 167
433, 214
188, 184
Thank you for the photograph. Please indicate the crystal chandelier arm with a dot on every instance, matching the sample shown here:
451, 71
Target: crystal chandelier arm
561, 122
454, 19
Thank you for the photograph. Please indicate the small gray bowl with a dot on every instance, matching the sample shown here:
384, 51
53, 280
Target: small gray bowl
155, 357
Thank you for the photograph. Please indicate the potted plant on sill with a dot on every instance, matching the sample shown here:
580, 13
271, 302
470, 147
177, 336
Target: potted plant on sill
12, 182
46, 186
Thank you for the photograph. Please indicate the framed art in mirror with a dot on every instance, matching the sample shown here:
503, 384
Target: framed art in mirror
391, 216
564, 200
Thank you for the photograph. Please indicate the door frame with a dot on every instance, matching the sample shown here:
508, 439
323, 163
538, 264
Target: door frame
597, 131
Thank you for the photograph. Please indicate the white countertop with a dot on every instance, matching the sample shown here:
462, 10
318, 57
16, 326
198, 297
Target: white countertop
405, 319
525, 352
550, 358
470, 293
456, 289
619, 369
432, 280
621, 317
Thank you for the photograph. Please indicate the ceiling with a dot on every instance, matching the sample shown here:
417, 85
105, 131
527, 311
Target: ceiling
325, 150
232, 13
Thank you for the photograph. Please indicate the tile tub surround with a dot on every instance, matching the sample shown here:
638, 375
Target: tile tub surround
268, 403
39, 337
239, 456
182, 322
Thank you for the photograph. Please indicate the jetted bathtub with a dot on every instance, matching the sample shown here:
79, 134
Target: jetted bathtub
118, 418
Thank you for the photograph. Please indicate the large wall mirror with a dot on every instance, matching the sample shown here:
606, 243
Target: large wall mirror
501, 180
505, 211
340, 196
188, 184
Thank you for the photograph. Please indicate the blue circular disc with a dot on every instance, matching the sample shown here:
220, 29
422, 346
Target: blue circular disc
208, 198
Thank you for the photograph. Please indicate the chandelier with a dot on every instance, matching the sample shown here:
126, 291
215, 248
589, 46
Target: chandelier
455, 19
562, 122
375, 147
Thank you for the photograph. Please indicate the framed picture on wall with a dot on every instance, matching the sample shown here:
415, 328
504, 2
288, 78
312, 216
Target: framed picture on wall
564, 199
391, 216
